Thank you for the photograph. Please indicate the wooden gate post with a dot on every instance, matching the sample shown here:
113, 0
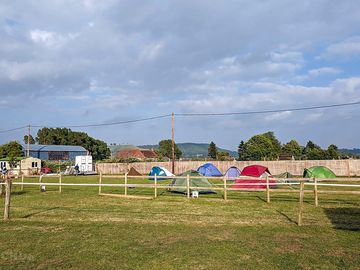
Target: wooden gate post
60, 181
155, 186
126, 188
22, 182
225, 189
316, 193
100, 182
301, 203
188, 185
7, 199
267, 190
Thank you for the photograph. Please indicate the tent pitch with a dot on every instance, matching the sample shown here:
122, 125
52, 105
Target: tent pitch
133, 172
159, 171
209, 169
318, 172
180, 182
232, 172
254, 171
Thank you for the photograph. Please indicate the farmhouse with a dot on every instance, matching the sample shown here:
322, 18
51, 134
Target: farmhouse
55, 152
23, 165
137, 153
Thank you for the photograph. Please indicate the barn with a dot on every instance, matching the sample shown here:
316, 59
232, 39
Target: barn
55, 152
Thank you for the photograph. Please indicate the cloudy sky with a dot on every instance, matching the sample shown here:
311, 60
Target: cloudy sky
73, 62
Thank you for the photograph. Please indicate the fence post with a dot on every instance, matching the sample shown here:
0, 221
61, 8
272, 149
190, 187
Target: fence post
301, 203
267, 190
188, 185
126, 181
22, 182
155, 186
100, 182
7, 199
60, 181
316, 193
225, 190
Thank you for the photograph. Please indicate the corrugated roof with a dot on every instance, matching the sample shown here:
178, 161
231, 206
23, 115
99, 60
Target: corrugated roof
44, 147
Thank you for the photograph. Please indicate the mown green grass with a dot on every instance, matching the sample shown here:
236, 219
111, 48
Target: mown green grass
78, 229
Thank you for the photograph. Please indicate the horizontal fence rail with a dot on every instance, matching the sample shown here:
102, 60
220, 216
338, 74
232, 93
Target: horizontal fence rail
268, 185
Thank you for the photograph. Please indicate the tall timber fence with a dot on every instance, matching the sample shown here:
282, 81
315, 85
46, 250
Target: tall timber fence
341, 167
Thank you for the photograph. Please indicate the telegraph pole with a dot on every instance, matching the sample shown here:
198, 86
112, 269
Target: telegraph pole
28, 143
172, 144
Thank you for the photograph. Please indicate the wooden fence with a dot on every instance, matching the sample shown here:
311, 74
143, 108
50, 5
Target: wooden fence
222, 185
341, 167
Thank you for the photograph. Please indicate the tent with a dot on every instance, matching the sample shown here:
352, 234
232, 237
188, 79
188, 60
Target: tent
232, 172
180, 182
254, 171
133, 172
318, 172
284, 175
159, 171
209, 169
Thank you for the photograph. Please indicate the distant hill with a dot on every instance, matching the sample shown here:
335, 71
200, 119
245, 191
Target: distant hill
354, 151
193, 149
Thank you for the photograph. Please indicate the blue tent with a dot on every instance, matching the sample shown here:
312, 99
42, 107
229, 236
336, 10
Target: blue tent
159, 171
209, 169
232, 172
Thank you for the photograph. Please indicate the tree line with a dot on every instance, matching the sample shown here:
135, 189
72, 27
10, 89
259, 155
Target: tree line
267, 147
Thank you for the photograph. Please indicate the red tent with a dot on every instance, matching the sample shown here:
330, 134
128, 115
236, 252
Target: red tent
254, 171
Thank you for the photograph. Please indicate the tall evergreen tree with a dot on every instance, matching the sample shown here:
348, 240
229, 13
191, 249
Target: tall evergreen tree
241, 149
212, 151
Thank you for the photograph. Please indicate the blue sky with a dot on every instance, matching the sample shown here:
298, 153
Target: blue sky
72, 62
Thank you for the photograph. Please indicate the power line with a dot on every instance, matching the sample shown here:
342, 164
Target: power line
270, 111
192, 114
13, 129
113, 123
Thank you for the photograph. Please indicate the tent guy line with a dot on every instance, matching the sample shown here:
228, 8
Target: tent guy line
191, 115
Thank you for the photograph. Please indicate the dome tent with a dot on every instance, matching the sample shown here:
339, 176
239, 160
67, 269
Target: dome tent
133, 172
318, 172
232, 172
208, 169
179, 183
254, 171
159, 171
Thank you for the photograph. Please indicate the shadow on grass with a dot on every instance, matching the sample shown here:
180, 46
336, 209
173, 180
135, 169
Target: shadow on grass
40, 212
287, 217
344, 218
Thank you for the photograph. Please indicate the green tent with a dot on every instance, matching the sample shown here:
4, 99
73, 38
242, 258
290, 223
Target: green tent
180, 182
318, 172
284, 175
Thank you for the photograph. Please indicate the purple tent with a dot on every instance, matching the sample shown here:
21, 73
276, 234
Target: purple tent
232, 172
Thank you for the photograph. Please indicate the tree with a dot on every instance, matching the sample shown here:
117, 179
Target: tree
241, 149
11, 150
223, 156
292, 148
332, 152
165, 149
313, 152
262, 146
32, 140
212, 151
65, 136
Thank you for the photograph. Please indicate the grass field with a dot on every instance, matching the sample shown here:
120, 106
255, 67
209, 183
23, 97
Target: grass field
78, 229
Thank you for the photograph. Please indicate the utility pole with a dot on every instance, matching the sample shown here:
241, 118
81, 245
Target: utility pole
172, 144
28, 143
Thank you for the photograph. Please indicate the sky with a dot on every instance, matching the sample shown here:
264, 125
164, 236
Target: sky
73, 62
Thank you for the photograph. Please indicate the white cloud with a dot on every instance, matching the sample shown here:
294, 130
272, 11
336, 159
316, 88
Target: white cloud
50, 39
347, 48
